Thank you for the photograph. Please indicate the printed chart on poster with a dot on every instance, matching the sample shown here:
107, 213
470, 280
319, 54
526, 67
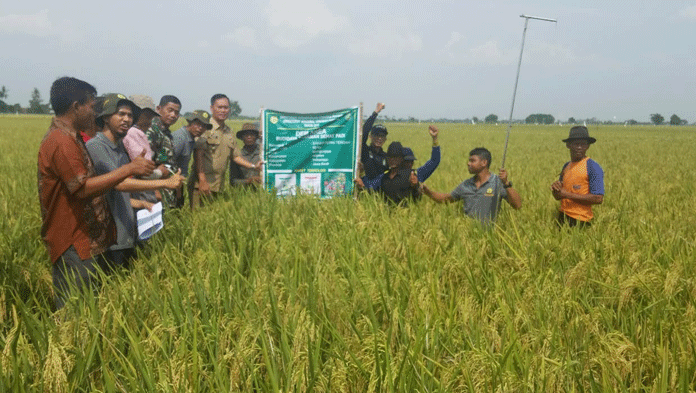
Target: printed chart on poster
311, 153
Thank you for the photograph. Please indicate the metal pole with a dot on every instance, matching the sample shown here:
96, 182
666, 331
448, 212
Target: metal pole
517, 78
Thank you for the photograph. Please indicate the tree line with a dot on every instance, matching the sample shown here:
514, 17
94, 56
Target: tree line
36, 104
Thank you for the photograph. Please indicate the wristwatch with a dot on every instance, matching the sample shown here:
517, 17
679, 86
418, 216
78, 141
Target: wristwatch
507, 185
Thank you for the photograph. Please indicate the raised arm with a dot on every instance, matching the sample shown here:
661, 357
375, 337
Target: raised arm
368, 125
429, 167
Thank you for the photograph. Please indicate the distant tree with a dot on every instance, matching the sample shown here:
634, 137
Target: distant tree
657, 119
235, 109
475, 119
684, 122
674, 120
632, 122
491, 118
3, 92
540, 118
571, 120
36, 103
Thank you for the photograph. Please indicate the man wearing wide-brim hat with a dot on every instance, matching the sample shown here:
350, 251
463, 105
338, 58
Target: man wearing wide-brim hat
251, 151
581, 183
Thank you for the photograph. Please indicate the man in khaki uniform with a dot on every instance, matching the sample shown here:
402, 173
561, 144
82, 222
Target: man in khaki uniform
213, 151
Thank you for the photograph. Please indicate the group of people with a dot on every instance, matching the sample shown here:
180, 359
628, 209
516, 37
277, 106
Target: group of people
579, 186
104, 157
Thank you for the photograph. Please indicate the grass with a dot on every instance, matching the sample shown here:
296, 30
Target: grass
256, 293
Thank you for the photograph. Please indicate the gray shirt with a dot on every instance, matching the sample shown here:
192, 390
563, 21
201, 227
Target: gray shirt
481, 203
109, 156
183, 144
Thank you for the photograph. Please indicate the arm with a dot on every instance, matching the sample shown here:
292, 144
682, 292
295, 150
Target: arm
130, 184
439, 197
239, 160
585, 199
141, 204
203, 185
512, 197
429, 167
99, 184
366, 131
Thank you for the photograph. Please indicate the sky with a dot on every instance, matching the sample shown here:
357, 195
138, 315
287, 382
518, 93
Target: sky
613, 60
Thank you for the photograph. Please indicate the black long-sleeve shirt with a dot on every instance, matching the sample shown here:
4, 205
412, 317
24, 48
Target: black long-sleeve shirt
374, 159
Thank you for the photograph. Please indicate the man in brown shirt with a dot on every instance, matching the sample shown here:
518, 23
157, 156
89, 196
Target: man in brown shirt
77, 226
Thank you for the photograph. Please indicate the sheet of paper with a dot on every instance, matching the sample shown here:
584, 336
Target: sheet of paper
149, 222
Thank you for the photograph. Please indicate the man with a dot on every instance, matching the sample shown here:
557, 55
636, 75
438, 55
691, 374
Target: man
108, 153
213, 151
136, 140
423, 173
482, 192
239, 175
398, 185
581, 183
184, 141
77, 226
160, 138
372, 157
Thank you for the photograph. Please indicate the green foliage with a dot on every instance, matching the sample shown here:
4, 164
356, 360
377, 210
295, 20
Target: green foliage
235, 109
491, 118
657, 119
36, 104
675, 120
571, 120
253, 293
540, 118
3, 92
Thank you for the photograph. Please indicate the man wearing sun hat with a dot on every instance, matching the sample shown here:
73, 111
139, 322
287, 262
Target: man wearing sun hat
251, 152
581, 183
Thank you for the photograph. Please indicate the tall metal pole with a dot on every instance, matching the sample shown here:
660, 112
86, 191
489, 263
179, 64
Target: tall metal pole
517, 78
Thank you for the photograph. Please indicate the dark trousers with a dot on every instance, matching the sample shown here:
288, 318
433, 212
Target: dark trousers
564, 219
71, 273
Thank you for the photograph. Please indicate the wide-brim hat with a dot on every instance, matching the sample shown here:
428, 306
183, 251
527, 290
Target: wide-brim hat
395, 150
408, 154
108, 104
379, 129
202, 116
248, 128
143, 102
580, 132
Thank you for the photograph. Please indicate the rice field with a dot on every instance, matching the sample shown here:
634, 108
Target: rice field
254, 293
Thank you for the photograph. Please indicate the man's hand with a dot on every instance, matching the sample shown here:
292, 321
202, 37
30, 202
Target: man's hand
557, 190
503, 175
164, 170
203, 186
145, 205
359, 183
141, 166
253, 180
433, 132
413, 179
379, 108
174, 182
258, 166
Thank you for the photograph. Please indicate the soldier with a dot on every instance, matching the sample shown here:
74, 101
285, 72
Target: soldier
161, 142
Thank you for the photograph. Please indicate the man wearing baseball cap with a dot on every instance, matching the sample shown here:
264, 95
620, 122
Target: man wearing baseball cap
251, 151
108, 153
373, 157
581, 183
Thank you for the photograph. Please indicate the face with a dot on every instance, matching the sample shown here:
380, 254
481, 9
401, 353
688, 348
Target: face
578, 149
378, 140
120, 122
85, 117
407, 164
394, 162
169, 113
220, 109
145, 119
196, 128
249, 138
476, 164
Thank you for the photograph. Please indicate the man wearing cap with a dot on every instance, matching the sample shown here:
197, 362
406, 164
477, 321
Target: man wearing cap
581, 182
160, 138
213, 151
398, 185
481, 193
373, 158
184, 141
108, 153
77, 226
251, 151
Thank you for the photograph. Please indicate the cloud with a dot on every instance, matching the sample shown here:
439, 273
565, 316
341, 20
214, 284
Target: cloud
203, 44
688, 13
390, 45
455, 37
294, 23
36, 24
243, 36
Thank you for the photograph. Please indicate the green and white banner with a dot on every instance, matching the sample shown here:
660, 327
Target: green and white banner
313, 153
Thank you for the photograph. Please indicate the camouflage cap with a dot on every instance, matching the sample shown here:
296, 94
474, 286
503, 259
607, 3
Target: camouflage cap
202, 116
108, 104
248, 128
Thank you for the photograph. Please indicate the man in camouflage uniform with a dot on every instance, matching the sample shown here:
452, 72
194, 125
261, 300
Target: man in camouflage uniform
161, 142
213, 151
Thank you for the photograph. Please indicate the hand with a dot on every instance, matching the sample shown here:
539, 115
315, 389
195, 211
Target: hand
557, 190
141, 166
413, 179
164, 170
359, 183
433, 132
379, 108
258, 165
254, 180
203, 186
146, 205
174, 182
503, 175
158, 195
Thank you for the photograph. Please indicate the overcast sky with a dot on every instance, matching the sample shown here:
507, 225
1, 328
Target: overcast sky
427, 59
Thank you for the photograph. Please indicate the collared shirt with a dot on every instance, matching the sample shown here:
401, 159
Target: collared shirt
239, 173
482, 202
218, 145
109, 156
161, 143
184, 144
63, 168
135, 142
582, 177
398, 188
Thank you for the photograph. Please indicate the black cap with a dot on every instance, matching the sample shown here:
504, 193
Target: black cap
379, 129
395, 150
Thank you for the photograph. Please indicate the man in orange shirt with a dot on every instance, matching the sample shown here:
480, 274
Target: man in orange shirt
581, 183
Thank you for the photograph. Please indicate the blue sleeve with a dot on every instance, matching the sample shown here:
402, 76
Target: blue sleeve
560, 176
429, 167
595, 176
374, 183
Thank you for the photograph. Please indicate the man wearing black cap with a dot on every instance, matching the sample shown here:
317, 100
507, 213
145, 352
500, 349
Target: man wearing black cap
373, 157
241, 176
399, 184
581, 183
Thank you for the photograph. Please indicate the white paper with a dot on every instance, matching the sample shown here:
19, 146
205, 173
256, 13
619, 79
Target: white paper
149, 222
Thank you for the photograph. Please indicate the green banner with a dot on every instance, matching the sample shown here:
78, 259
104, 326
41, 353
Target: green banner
313, 153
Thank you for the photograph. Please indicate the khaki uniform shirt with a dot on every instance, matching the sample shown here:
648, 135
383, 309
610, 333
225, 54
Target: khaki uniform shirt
218, 145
